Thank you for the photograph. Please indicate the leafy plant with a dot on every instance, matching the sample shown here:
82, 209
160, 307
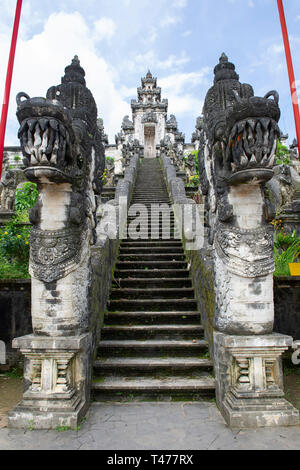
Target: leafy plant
14, 242
15, 373
17, 158
286, 250
14, 237
194, 180
283, 241
282, 154
195, 153
26, 197
13, 269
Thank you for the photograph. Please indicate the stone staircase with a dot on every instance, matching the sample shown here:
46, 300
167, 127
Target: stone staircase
152, 344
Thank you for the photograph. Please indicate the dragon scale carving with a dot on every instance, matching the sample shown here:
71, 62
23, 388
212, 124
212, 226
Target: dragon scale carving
64, 155
237, 144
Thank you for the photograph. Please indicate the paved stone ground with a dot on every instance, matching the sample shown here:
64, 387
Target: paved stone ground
153, 426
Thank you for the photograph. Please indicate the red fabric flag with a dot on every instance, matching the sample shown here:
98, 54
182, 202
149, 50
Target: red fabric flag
8, 80
290, 70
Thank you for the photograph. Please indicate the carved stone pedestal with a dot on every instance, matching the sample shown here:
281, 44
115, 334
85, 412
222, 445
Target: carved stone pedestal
249, 380
5, 216
56, 386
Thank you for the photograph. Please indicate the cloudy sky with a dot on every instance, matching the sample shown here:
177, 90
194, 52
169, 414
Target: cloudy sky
179, 40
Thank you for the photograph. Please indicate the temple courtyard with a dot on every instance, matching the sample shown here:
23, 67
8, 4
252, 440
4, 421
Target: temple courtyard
152, 426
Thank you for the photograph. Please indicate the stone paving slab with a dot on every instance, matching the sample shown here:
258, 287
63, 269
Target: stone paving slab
153, 426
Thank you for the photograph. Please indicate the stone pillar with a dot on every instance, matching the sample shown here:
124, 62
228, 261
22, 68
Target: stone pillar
237, 153
64, 155
249, 385
56, 380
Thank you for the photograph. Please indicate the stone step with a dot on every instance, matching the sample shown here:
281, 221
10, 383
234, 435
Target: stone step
151, 273
151, 244
145, 222
145, 241
151, 214
146, 318
132, 305
151, 364
152, 293
157, 283
154, 194
138, 332
152, 343
129, 265
151, 257
172, 385
151, 249
156, 201
158, 347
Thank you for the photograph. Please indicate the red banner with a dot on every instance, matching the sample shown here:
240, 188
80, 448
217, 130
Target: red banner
290, 70
8, 80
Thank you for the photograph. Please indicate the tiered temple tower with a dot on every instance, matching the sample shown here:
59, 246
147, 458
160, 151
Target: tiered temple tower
149, 123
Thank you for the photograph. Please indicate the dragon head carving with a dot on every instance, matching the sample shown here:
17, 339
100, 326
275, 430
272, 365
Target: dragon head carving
241, 128
63, 154
59, 133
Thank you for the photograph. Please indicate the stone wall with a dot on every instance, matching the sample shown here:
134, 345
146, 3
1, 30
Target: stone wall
287, 306
15, 314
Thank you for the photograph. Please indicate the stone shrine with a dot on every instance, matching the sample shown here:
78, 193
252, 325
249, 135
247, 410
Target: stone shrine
128, 301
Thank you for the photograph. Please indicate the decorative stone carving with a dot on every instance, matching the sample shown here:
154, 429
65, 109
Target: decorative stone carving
103, 136
64, 155
237, 144
8, 188
149, 117
294, 151
246, 253
110, 175
55, 369
127, 125
54, 254
249, 380
190, 165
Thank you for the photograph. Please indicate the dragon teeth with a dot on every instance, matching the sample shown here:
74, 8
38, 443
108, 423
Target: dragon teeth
54, 124
272, 161
244, 161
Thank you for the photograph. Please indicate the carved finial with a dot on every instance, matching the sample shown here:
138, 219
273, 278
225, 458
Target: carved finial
225, 70
149, 74
74, 72
75, 61
223, 58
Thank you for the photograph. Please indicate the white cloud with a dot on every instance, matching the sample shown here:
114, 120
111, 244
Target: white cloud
275, 49
105, 28
182, 82
179, 3
182, 91
40, 63
150, 60
169, 21
186, 34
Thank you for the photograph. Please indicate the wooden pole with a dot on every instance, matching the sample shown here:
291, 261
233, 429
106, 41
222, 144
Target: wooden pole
290, 70
9, 80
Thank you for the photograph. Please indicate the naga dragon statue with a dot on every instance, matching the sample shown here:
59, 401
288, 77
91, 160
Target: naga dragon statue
237, 152
64, 156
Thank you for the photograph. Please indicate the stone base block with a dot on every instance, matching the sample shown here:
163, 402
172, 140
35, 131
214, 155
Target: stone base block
5, 216
258, 413
35, 417
249, 382
56, 382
